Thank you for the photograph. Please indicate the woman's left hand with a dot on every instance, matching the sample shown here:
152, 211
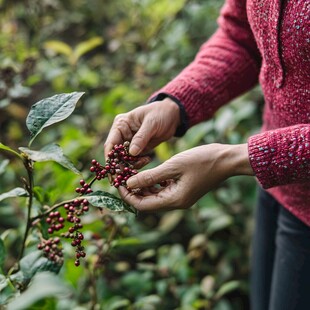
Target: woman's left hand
188, 176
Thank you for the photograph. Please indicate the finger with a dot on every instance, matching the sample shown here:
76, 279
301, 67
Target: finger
119, 132
142, 161
158, 201
141, 139
152, 177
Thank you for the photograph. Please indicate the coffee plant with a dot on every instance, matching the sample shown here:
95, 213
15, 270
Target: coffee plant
55, 224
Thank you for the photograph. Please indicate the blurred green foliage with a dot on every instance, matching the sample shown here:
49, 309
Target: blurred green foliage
119, 52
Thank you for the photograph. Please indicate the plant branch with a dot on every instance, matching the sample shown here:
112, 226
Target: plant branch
57, 205
29, 187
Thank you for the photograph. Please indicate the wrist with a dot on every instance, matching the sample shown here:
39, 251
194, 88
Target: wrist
169, 107
236, 159
182, 117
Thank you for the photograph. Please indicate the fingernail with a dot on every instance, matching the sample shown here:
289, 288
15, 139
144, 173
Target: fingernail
132, 182
134, 150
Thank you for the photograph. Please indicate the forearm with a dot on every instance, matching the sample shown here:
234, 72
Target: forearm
226, 66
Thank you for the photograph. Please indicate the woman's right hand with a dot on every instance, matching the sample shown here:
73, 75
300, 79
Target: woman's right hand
146, 127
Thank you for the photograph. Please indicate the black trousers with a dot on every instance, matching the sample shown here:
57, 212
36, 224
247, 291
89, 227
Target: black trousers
280, 278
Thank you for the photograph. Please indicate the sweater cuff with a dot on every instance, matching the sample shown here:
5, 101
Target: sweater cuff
261, 158
182, 128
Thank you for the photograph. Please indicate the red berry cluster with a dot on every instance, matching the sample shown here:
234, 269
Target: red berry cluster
119, 165
52, 250
55, 221
74, 210
84, 189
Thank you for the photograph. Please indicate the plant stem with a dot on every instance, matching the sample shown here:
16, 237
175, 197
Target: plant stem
54, 207
57, 205
29, 187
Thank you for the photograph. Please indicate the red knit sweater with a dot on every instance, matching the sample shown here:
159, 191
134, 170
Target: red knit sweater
269, 40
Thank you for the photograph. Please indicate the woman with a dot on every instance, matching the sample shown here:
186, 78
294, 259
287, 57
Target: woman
256, 39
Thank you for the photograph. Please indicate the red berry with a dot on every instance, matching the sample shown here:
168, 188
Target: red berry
77, 263
80, 236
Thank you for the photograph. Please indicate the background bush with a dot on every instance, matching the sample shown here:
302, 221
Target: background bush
119, 52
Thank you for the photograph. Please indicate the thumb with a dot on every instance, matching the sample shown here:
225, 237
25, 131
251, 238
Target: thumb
150, 177
141, 139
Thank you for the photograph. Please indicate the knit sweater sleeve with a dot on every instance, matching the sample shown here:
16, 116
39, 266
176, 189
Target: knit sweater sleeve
281, 156
225, 66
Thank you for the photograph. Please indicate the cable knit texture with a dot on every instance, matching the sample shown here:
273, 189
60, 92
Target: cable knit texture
267, 40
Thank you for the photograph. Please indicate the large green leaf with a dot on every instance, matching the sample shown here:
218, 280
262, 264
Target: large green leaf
31, 264
50, 152
49, 111
16, 192
103, 199
43, 285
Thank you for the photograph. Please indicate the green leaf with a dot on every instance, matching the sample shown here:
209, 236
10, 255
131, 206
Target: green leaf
103, 199
8, 149
16, 192
51, 152
6, 290
58, 47
44, 285
31, 264
85, 47
227, 288
219, 223
3, 165
49, 111
2, 253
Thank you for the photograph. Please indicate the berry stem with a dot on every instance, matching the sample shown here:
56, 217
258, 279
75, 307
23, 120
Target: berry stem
52, 208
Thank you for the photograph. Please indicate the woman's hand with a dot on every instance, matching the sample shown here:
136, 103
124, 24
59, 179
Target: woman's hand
189, 175
146, 127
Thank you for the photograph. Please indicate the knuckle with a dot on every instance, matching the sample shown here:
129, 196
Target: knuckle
148, 179
120, 119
